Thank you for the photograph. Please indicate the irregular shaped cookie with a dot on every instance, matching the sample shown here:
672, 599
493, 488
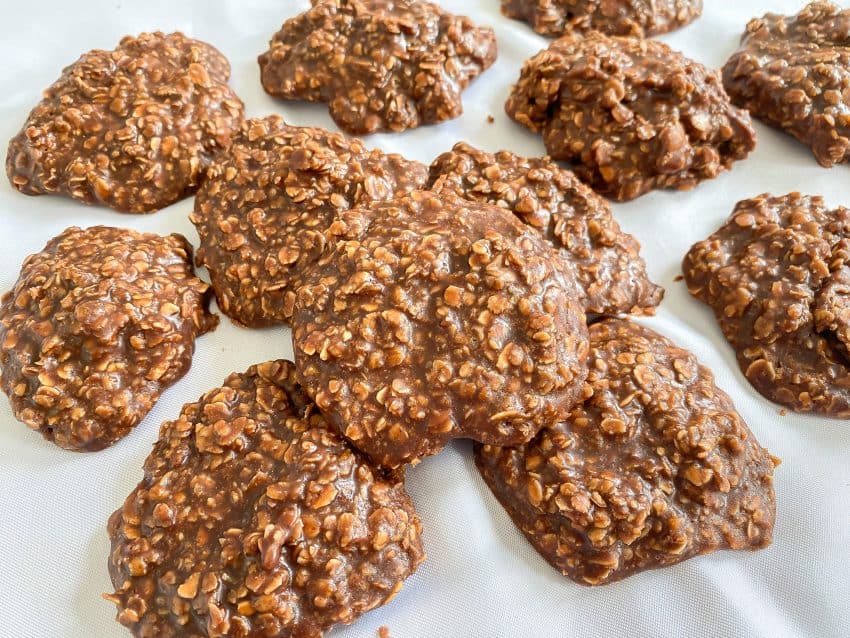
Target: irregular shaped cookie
255, 519
777, 276
433, 318
98, 324
655, 467
262, 213
639, 18
603, 260
630, 115
793, 72
381, 65
133, 128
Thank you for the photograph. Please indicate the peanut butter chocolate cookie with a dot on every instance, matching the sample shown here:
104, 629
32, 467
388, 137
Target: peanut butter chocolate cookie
639, 18
777, 276
655, 467
133, 128
603, 260
794, 73
255, 519
266, 204
98, 324
433, 318
630, 115
381, 65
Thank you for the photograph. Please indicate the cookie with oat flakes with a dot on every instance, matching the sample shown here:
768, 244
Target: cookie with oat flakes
263, 211
99, 323
432, 318
380, 65
133, 128
653, 468
604, 261
254, 518
630, 115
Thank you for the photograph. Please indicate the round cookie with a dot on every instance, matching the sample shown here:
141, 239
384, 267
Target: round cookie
262, 212
98, 324
604, 261
639, 18
630, 115
655, 467
255, 519
380, 65
777, 276
794, 72
433, 318
133, 128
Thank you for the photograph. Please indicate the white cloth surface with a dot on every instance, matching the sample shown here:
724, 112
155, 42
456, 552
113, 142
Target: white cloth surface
481, 578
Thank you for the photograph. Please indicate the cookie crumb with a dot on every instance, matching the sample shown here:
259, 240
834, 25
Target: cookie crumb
383, 632
678, 278
490, 119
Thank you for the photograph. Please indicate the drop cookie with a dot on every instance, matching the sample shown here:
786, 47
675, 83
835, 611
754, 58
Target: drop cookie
380, 65
630, 115
98, 324
133, 129
653, 468
433, 318
255, 519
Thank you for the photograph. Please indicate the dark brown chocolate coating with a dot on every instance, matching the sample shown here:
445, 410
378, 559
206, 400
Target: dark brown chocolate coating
133, 128
381, 65
98, 324
604, 261
793, 72
266, 204
630, 115
655, 467
433, 318
254, 519
639, 18
777, 276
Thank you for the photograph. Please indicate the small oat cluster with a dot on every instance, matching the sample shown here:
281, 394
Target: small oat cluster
98, 324
380, 65
777, 276
255, 519
793, 72
133, 128
639, 18
630, 115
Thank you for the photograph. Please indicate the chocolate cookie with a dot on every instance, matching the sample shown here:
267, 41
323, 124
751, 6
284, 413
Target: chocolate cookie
630, 115
133, 128
98, 324
433, 318
794, 72
639, 18
263, 210
381, 65
255, 519
777, 276
603, 260
655, 467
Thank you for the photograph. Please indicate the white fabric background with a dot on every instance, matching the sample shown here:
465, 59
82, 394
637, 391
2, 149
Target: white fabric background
481, 577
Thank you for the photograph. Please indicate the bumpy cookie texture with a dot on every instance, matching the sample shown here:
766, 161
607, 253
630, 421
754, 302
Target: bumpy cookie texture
437, 318
133, 128
639, 18
381, 65
254, 519
98, 324
793, 72
602, 259
777, 276
630, 115
266, 204
655, 467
